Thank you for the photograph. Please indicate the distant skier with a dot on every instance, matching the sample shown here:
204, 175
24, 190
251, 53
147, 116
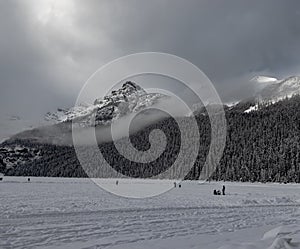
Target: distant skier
117, 182
174, 184
215, 192
28, 179
223, 190
179, 186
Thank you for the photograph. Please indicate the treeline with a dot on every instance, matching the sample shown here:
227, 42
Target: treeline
262, 145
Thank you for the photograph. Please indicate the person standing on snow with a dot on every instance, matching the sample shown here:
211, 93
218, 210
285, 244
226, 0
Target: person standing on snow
223, 190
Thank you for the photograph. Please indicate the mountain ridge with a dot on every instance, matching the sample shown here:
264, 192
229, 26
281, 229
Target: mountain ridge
262, 145
130, 98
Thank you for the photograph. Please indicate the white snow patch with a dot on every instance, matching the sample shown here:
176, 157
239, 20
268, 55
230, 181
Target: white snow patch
251, 109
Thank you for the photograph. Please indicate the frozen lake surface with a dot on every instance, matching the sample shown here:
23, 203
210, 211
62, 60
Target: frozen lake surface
76, 213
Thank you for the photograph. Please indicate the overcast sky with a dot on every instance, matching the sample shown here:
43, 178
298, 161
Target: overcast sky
49, 48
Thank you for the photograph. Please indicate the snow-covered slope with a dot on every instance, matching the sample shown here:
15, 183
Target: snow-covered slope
130, 98
251, 108
274, 90
282, 89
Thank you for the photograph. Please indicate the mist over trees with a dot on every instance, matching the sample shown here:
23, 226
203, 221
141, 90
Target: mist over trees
262, 145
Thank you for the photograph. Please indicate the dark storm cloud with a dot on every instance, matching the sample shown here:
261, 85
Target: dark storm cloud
48, 49
227, 39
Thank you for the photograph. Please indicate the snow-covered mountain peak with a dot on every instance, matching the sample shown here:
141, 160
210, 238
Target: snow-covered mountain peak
128, 89
128, 99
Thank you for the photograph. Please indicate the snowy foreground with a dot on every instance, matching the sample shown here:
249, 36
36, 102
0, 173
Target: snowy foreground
76, 213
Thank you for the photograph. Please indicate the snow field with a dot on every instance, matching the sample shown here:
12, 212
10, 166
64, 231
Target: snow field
76, 213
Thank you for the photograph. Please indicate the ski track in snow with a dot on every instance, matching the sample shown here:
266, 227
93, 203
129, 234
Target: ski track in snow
75, 213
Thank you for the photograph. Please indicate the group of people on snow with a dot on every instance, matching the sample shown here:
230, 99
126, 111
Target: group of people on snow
218, 192
175, 185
